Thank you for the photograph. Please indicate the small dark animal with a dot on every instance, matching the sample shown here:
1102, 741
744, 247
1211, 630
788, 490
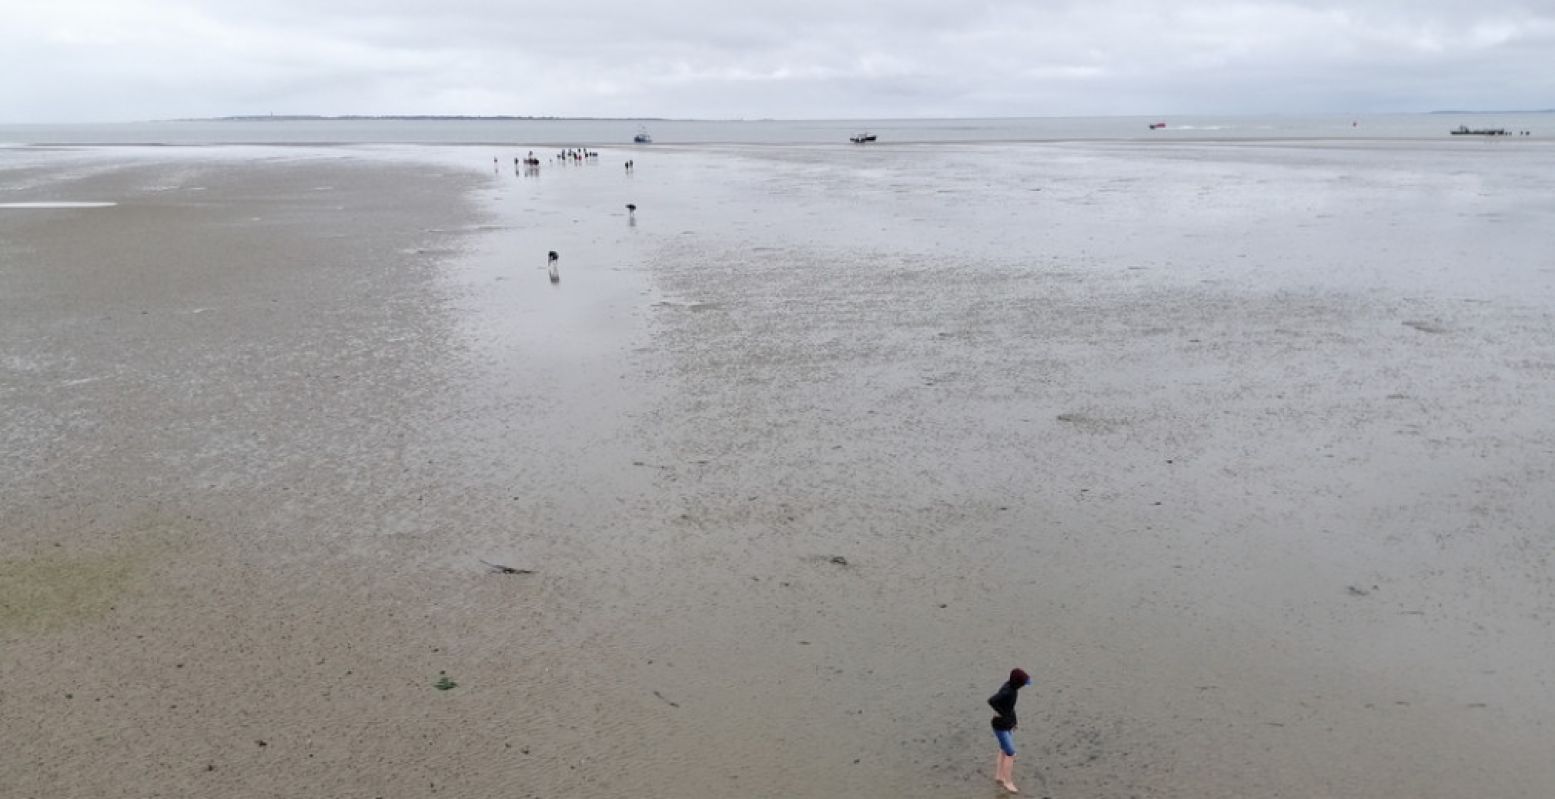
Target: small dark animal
631, 209
551, 259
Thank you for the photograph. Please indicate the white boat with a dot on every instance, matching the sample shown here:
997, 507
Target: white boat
642, 137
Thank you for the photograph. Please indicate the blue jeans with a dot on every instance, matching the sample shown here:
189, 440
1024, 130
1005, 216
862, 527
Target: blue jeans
1006, 741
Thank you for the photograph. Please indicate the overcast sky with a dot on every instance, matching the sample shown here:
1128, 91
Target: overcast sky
123, 60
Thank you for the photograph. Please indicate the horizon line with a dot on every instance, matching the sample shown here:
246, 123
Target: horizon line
272, 117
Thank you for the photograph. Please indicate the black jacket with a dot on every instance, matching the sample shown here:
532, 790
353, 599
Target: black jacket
1003, 703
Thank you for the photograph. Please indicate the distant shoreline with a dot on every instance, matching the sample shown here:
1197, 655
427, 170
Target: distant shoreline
521, 118
405, 118
1533, 111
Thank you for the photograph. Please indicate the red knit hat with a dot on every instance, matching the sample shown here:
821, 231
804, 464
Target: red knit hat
1019, 677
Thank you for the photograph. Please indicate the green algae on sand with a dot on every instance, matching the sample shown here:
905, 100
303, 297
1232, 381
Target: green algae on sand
54, 591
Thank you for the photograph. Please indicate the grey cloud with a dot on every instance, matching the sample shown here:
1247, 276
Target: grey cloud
801, 58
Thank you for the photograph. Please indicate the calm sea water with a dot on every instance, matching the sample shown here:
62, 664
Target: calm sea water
603, 132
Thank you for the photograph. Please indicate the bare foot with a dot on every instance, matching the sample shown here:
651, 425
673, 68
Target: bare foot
1009, 786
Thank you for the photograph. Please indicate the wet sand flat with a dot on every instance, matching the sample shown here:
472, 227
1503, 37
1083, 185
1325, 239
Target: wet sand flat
1240, 449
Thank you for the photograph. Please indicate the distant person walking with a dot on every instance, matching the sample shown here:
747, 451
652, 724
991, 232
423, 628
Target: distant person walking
1003, 703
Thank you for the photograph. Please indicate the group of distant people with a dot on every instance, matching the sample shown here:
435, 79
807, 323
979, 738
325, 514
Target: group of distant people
531, 164
528, 161
573, 154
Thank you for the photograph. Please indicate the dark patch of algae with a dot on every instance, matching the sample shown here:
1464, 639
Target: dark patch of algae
57, 590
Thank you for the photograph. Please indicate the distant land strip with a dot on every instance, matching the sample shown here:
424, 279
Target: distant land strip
401, 117
1534, 111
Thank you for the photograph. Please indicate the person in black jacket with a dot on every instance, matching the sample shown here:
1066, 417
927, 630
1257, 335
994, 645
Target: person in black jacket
1003, 703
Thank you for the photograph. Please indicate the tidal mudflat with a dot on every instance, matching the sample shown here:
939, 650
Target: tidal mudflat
1241, 449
